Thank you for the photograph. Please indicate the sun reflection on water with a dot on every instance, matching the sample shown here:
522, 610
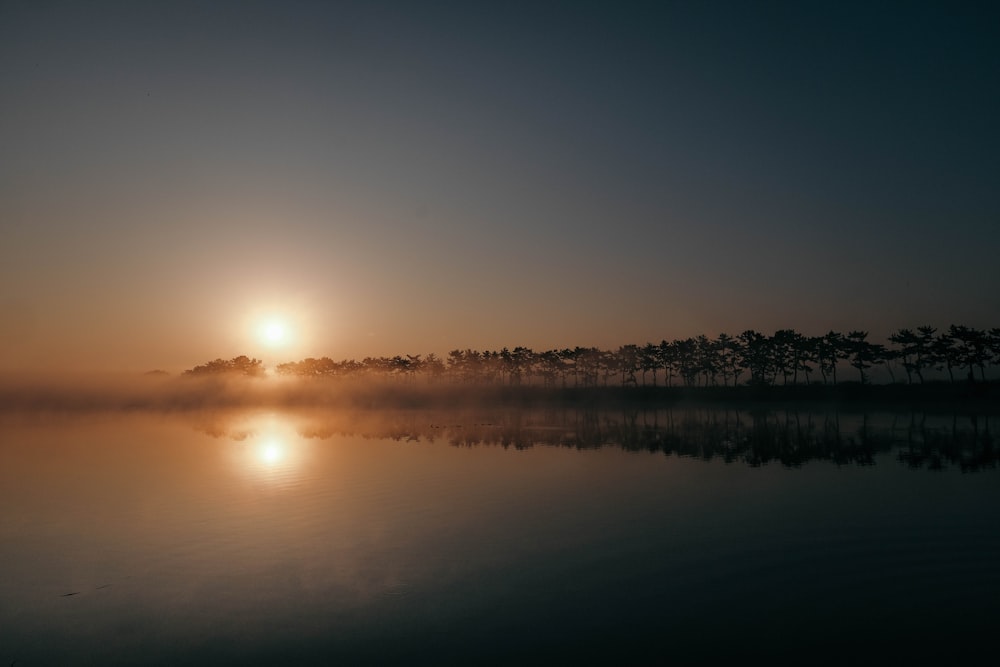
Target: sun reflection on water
271, 452
268, 448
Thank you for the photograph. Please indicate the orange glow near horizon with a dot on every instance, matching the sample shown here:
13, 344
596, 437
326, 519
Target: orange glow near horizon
269, 331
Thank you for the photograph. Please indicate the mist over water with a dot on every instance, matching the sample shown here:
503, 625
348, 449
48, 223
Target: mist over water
164, 392
481, 534
161, 392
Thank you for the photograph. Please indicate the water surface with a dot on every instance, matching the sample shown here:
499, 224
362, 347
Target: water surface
496, 537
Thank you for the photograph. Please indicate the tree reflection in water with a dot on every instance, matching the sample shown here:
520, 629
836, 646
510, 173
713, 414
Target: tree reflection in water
755, 437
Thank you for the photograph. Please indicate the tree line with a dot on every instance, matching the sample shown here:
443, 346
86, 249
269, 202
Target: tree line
241, 365
787, 358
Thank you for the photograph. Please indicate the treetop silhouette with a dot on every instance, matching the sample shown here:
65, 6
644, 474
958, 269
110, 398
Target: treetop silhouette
241, 365
752, 358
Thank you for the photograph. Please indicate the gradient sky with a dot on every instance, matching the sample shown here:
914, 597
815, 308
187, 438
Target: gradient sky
414, 177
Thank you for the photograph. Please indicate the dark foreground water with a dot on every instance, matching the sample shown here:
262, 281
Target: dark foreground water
549, 537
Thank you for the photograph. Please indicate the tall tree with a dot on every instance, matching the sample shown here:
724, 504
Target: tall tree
589, 362
907, 344
627, 360
649, 361
523, 360
923, 352
973, 348
687, 360
434, 367
832, 349
708, 359
804, 353
883, 355
946, 354
727, 347
781, 354
668, 360
862, 353
756, 356
569, 359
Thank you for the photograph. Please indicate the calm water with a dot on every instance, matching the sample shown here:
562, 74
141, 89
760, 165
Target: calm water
497, 537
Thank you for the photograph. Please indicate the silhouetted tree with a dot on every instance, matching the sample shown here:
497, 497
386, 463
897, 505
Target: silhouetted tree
627, 361
550, 367
490, 366
883, 355
972, 348
511, 370
862, 353
831, 349
687, 360
465, 365
804, 354
569, 358
756, 356
241, 365
728, 358
405, 367
708, 359
782, 360
908, 343
698, 361
649, 361
592, 361
587, 365
609, 365
945, 354
923, 351
668, 360
791, 353
434, 367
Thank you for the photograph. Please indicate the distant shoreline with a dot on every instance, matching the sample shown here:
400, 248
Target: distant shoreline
186, 393
945, 396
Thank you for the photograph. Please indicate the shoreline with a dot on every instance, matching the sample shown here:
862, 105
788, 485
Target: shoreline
182, 394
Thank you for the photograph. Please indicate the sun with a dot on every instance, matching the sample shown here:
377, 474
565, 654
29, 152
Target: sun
277, 328
274, 332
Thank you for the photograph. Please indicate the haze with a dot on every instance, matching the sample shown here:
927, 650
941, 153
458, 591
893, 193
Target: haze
398, 178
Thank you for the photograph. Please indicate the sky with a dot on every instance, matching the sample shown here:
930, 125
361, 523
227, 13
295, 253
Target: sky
387, 178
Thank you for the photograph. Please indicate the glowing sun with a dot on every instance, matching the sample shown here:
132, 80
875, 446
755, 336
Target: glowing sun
273, 332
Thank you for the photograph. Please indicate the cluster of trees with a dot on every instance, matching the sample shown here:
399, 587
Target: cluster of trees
786, 357
241, 365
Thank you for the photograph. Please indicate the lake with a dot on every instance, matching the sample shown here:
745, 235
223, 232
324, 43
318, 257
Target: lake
478, 536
